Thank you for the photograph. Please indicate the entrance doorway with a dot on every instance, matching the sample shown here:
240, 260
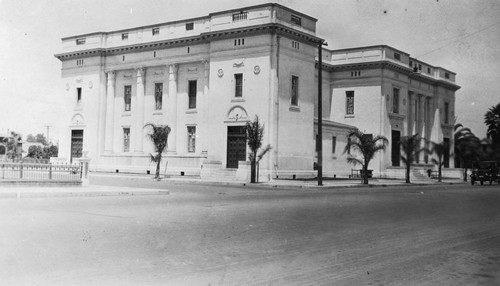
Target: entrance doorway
236, 145
395, 148
76, 144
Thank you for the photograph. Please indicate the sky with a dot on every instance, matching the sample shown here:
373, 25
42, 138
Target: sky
460, 35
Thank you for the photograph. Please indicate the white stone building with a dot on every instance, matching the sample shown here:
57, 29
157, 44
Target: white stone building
205, 77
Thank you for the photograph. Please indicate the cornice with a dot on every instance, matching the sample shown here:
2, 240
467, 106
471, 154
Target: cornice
272, 28
392, 66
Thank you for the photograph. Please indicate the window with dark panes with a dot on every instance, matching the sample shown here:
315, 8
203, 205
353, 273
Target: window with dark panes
238, 80
127, 97
191, 131
126, 139
158, 95
334, 144
189, 26
395, 100
296, 20
295, 91
78, 94
349, 100
192, 89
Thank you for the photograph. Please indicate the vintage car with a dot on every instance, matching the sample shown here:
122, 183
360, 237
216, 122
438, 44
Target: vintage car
485, 171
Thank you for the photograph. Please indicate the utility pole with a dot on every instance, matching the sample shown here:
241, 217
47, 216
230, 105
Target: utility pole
48, 128
320, 112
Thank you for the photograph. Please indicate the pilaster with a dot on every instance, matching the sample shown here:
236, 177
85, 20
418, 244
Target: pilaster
172, 114
110, 103
138, 111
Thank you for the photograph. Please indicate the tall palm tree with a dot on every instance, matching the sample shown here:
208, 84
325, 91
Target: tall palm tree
410, 148
367, 146
439, 149
492, 121
159, 137
255, 133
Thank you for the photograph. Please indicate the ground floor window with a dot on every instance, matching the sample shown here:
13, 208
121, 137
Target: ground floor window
126, 139
191, 132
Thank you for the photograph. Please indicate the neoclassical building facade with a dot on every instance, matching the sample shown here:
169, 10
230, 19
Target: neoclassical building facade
206, 77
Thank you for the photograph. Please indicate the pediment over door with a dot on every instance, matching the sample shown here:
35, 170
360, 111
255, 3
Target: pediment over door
237, 114
77, 120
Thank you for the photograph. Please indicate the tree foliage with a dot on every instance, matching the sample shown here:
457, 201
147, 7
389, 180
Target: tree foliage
12, 145
255, 133
492, 121
367, 146
439, 149
410, 149
40, 138
159, 137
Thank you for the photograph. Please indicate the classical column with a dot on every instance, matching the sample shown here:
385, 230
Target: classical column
138, 111
421, 122
204, 109
110, 103
172, 114
410, 114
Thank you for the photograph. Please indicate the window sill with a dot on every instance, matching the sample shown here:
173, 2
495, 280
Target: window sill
126, 114
191, 111
238, 99
349, 116
294, 108
334, 157
396, 115
157, 113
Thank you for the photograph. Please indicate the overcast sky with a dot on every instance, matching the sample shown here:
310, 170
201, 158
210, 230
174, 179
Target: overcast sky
460, 35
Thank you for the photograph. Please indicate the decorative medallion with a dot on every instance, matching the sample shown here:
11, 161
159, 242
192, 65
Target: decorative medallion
220, 73
238, 65
256, 69
67, 86
90, 85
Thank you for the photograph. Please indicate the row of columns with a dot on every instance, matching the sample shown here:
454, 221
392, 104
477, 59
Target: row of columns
421, 113
138, 111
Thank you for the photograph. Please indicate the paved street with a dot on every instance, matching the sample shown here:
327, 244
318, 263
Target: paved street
230, 235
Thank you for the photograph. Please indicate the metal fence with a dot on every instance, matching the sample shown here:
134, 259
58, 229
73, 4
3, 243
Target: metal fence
40, 172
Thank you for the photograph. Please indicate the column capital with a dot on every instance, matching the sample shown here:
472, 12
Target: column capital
141, 71
111, 76
172, 71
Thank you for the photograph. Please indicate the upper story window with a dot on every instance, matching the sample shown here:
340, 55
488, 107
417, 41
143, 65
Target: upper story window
240, 16
296, 20
79, 62
397, 56
334, 144
80, 41
395, 100
189, 26
349, 102
446, 112
295, 45
419, 67
192, 89
127, 97
446, 75
155, 31
239, 42
355, 73
158, 95
295, 91
238, 79
411, 63
78, 95
429, 70
124, 36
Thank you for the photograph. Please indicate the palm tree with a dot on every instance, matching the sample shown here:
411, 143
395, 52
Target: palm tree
439, 149
492, 121
410, 148
159, 137
467, 148
367, 146
255, 133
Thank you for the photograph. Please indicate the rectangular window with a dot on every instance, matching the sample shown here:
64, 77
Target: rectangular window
192, 94
158, 95
446, 112
395, 100
80, 41
191, 131
411, 63
189, 26
429, 70
238, 90
127, 97
296, 20
78, 94
295, 91
349, 102
419, 67
334, 144
446, 75
155, 31
397, 56
126, 139
124, 36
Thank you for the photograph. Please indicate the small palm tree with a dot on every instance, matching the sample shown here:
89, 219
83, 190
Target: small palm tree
439, 149
255, 133
410, 148
159, 137
367, 146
